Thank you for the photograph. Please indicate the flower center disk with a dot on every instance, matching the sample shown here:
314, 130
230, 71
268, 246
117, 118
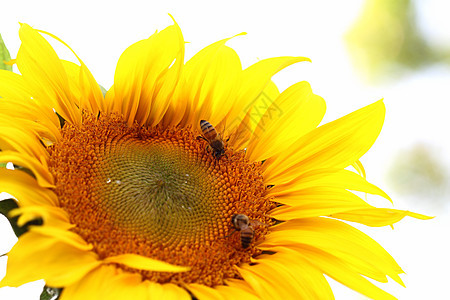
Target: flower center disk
156, 191
160, 194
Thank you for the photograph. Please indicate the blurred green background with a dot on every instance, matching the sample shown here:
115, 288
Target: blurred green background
389, 42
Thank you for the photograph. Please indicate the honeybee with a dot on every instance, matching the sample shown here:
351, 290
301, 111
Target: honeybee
242, 223
213, 138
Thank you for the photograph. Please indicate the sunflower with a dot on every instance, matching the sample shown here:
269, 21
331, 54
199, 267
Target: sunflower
125, 195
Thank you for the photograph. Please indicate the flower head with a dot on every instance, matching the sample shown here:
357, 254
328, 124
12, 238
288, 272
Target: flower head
195, 178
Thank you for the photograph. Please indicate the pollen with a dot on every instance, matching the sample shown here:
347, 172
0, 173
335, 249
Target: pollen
159, 193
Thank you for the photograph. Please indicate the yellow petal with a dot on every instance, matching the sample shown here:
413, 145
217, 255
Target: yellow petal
146, 76
144, 263
90, 94
36, 256
209, 82
26, 189
340, 239
264, 288
253, 82
167, 291
50, 215
106, 282
179, 108
332, 178
359, 168
45, 75
240, 284
337, 144
30, 113
109, 282
373, 216
73, 74
165, 84
60, 234
43, 175
239, 131
294, 113
341, 272
13, 86
110, 102
21, 139
201, 292
298, 273
281, 276
237, 291
315, 202
39, 133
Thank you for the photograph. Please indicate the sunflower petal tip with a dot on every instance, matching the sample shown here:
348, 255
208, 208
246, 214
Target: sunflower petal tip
239, 34
173, 19
399, 280
24, 26
425, 217
381, 102
302, 59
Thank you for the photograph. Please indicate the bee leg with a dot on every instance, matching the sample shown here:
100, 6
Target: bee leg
207, 148
199, 137
232, 232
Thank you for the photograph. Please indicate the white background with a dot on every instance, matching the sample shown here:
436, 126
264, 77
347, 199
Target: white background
417, 110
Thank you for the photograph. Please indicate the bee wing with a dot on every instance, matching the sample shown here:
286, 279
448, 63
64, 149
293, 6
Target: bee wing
241, 133
221, 128
257, 223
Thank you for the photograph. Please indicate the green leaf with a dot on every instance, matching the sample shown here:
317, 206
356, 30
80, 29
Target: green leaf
4, 56
5, 207
49, 293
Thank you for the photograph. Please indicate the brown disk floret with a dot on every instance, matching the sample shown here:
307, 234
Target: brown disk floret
161, 194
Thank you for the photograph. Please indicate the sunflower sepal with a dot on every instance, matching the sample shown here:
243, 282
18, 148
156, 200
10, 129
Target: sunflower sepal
4, 56
49, 293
